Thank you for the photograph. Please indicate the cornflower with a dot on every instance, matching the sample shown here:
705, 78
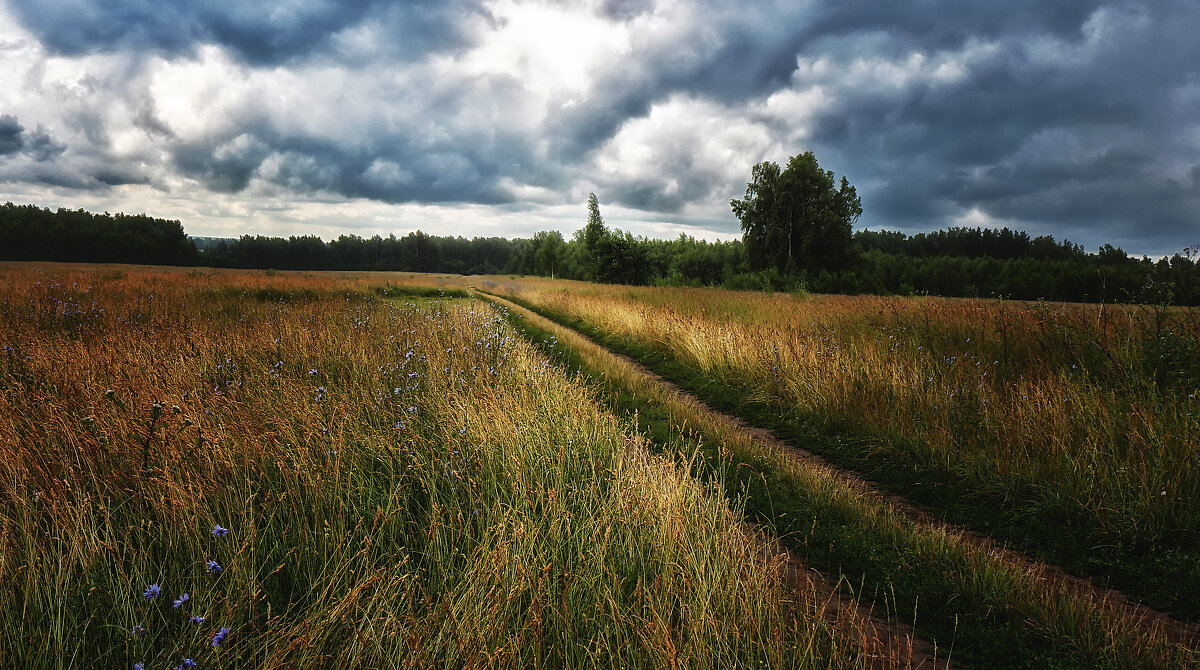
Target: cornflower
220, 636
212, 567
180, 601
151, 592
218, 531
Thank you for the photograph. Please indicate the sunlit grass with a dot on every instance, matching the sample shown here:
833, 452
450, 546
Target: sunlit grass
405, 483
1084, 413
960, 590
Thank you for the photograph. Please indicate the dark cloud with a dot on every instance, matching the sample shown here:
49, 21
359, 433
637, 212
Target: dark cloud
395, 170
1072, 115
11, 140
223, 166
941, 24
148, 120
109, 177
1064, 117
39, 145
258, 32
754, 54
624, 10
43, 147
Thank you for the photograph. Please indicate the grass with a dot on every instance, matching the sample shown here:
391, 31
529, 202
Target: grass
405, 483
1059, 429
996, 614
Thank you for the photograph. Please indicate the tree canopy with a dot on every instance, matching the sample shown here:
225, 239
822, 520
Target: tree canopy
796, 219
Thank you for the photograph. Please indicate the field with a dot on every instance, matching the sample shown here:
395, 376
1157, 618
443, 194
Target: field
385, 470
1065, 432
349, 473
1078, 423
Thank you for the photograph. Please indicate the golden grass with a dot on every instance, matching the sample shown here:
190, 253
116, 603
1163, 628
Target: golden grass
405, 482
1097, 631
1049, 396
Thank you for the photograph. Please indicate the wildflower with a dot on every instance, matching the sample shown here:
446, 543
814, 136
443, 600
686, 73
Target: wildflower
212, 567
220, 636
399, 425
218, 531
180, 601
138, 629
312, 371
138, 666
187, 663
151, 592
197, 620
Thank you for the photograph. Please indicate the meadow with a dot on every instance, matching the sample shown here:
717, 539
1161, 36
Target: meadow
1069, 431
237, 470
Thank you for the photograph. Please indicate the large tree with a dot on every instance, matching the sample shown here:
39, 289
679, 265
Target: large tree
796, 218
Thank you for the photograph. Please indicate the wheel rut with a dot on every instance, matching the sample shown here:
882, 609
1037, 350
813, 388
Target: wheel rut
1183, 633
888, 641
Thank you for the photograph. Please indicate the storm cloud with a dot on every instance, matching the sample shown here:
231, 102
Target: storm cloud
1070, 118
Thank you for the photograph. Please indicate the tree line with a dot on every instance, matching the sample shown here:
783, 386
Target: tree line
966, 262
30, 233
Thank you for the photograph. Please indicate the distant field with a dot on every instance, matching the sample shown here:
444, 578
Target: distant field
348, 472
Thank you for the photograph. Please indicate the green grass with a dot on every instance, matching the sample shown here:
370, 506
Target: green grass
1145, 549
994, 615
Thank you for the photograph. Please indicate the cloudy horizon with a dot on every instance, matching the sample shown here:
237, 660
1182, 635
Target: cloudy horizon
497, 118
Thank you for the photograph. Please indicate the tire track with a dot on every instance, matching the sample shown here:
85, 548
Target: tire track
1182, 633
888, 641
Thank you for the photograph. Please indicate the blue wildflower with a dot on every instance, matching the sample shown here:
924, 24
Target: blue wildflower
138, 666
197, 620
151, 592
138, 629
218, 531
212, 567
180, 601
220, 636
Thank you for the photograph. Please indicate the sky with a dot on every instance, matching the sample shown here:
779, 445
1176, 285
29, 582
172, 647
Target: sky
1075, 119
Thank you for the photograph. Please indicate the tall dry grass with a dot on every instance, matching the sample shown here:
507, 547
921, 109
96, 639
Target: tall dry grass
404, 482
1090, 409
962, 593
